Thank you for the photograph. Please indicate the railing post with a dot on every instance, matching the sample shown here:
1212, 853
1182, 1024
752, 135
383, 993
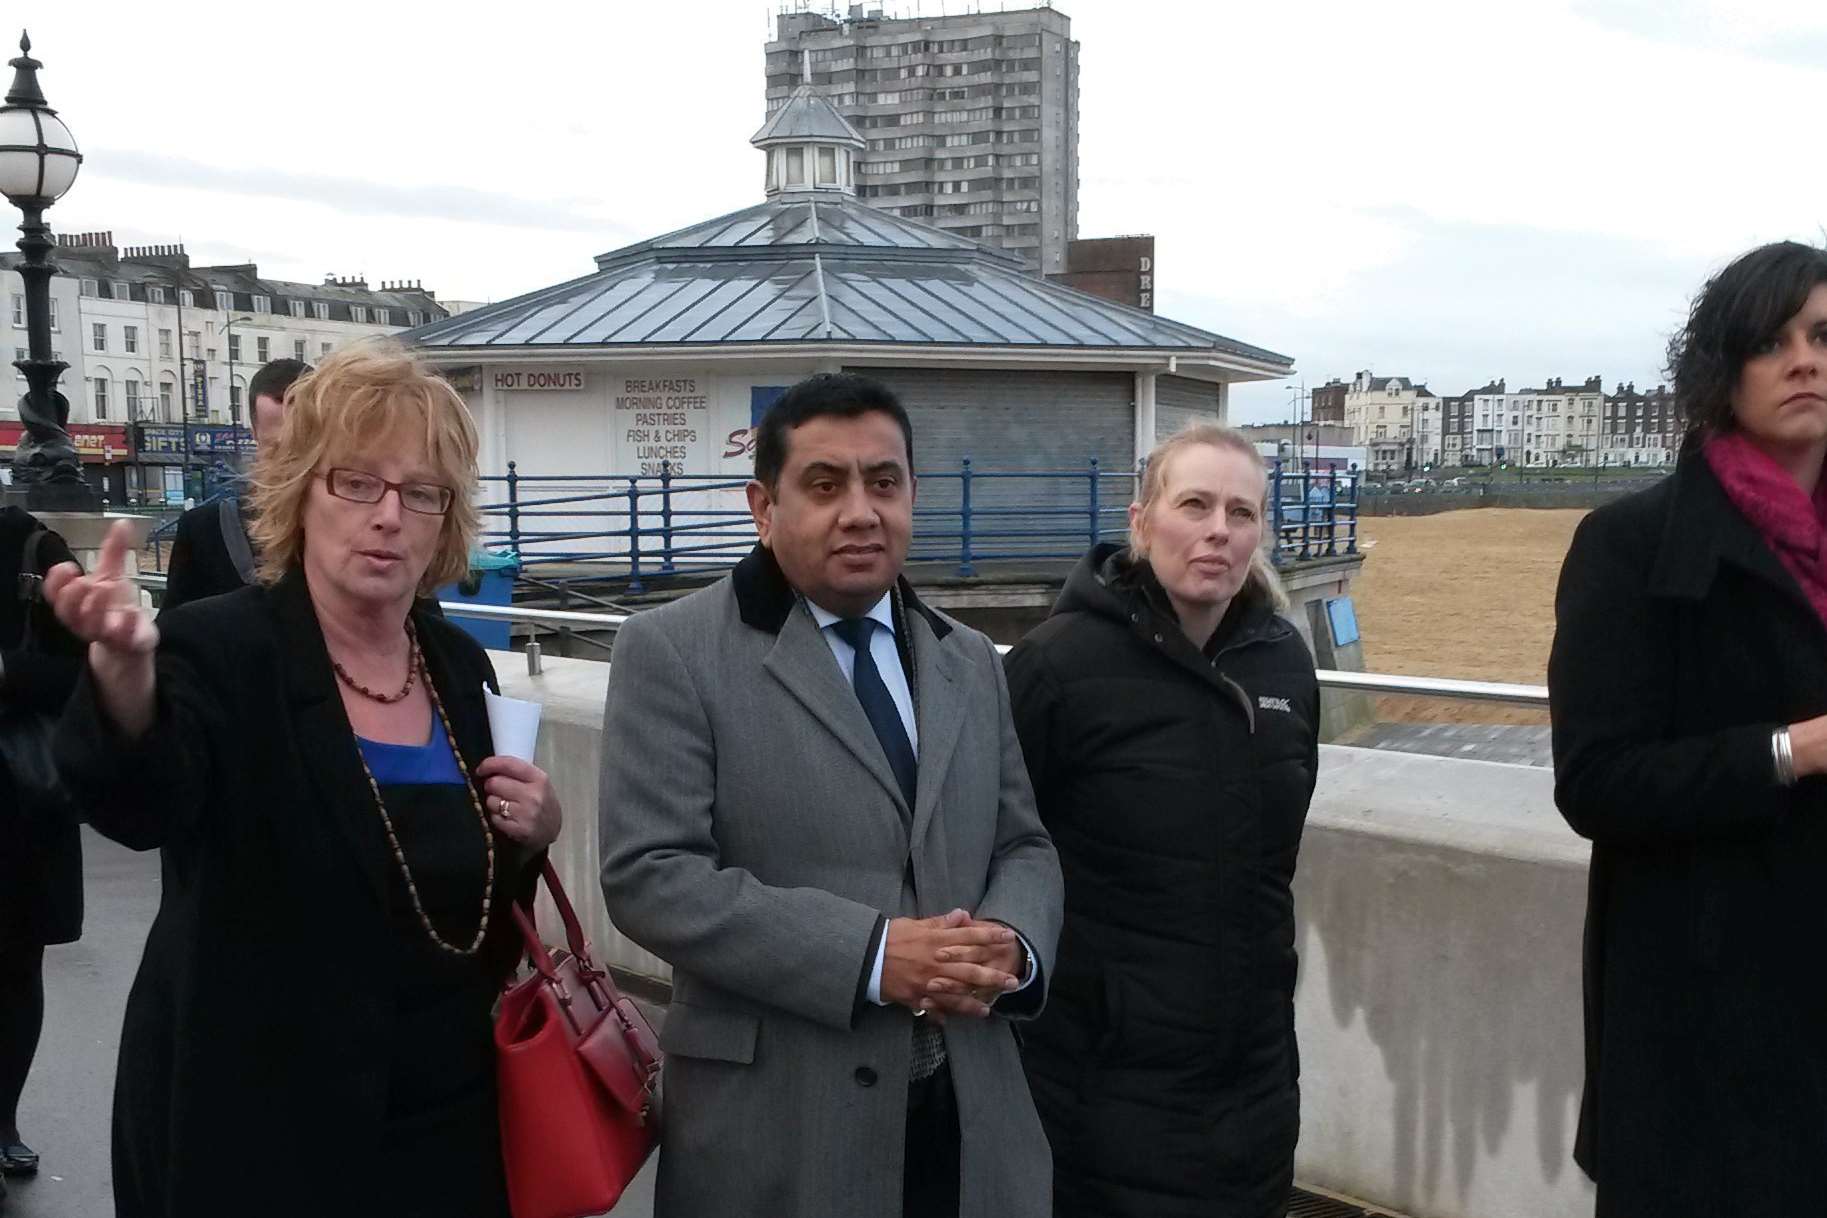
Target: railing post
964, 518
666, 517
513, 485
1351, 534
1096, 521
634, 536
1306, 512
1332, 514
1275, 512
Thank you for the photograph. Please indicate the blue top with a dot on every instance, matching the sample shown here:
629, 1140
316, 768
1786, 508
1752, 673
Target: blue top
412, 764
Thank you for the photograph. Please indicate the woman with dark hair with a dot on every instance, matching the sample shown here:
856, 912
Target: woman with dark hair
1688, 684
1169, 718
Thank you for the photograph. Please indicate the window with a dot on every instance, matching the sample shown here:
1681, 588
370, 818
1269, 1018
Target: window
18, 310
827, 166
234, 400
413, 318
796, 167
263, 348
234, 348
186, 298
133, 400
20, 354
130, 339
263, 304
297, 307
90, 288
383, 317
322, 310
298, 349
165, 400
101, 397
323, 350
210, 354
155, 294
54, 325
122, 292
99, 335
358, 313
225, 300
164, 344
195, 343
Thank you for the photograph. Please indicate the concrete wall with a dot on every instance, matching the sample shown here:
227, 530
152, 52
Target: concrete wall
1435, 502
1438, 1009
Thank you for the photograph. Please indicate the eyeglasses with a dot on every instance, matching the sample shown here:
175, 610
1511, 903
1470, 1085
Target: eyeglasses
359, 486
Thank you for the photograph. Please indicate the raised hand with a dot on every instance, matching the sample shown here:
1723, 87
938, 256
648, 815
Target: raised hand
103, 609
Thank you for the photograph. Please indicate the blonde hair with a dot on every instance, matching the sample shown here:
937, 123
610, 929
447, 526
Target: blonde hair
360, 398
1261, 578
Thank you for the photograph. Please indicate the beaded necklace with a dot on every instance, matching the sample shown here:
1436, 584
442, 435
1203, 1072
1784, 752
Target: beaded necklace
399, 855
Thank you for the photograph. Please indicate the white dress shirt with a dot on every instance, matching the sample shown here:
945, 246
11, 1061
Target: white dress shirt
887, 656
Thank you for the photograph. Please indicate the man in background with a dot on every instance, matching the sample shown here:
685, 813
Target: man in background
211, 553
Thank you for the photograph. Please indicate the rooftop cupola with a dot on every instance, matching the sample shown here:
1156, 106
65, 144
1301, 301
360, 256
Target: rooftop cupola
811, 147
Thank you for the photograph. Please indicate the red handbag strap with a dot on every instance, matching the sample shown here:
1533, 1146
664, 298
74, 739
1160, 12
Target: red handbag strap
574, 931
610, 995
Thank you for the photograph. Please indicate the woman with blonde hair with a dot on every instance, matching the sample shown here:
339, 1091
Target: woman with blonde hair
309, 1031
1169, 718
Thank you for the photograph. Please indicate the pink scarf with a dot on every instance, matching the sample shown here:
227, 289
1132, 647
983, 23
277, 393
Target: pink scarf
1795, 528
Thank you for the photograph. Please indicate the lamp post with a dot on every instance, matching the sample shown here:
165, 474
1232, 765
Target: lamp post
38, 164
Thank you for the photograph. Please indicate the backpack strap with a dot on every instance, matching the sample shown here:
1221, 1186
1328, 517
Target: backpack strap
234, 537
31, 580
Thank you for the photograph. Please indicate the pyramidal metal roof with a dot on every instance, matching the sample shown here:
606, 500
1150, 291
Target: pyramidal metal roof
807, 116
801, 270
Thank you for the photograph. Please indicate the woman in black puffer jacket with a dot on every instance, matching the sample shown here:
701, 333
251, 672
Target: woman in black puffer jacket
1169, 718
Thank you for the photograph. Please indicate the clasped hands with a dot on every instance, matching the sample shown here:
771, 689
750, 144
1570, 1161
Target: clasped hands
950, 965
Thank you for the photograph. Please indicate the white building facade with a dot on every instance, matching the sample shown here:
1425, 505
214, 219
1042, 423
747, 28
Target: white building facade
1561, 423
1383, 414
161, 352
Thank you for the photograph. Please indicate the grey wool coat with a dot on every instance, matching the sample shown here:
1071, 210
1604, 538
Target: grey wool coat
754, 836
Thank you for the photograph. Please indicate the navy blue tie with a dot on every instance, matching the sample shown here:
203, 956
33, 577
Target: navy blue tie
878, 703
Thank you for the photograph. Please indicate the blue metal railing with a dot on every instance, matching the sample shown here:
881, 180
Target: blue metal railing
636, 526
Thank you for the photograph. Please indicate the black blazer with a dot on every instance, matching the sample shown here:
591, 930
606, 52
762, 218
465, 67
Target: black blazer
253, 1059
200, 564
1682, 643
40, 856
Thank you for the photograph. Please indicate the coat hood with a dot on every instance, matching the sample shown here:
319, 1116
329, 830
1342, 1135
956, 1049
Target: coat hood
1108, 583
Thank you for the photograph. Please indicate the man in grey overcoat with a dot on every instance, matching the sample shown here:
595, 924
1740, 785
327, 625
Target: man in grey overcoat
814, 806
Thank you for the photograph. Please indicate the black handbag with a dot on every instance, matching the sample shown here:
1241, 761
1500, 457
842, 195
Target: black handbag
25, 733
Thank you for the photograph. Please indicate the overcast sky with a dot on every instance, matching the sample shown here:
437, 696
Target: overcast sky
1448, 191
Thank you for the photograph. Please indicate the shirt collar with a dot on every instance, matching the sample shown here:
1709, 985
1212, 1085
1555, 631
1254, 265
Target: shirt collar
882, 613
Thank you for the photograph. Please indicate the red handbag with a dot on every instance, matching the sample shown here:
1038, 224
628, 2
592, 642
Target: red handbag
578, 1068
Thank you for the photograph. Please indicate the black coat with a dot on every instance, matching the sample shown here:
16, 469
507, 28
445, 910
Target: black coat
253, 1060
1682, 643
40, 850
200, 562
1175, 785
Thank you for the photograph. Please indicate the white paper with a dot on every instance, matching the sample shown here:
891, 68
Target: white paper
514, 723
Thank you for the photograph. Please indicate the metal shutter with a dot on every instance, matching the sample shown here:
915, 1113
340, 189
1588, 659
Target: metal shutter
1181, 400
1028, 422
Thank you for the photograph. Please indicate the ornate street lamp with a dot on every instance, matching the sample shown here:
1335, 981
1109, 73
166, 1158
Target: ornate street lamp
38, 163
